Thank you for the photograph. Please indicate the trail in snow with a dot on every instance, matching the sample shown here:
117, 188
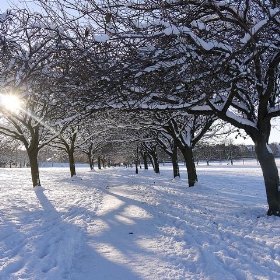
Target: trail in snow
114, 225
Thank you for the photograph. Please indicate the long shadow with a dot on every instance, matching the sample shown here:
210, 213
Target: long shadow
116, 250
82, 259
133, 238
45, 246
199, 232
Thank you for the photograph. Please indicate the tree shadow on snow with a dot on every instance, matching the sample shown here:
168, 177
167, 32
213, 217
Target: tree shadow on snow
130, 235
69, 255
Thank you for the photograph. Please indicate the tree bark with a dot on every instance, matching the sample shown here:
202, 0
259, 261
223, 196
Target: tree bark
33, 160
155, 161
271, 176
152, 154
137, 160
190, 164
175, 164
90, 161
99, 162
72, 163
156, 164
145, 160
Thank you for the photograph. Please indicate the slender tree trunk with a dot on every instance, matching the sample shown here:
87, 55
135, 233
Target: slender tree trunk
151, 160
271, 176
156, 163
190, 164
90, 161
33, 160
72, 163
99, 162
137, 160
175, 164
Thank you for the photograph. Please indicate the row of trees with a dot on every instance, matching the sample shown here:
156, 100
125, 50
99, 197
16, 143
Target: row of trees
153, 72
125, 153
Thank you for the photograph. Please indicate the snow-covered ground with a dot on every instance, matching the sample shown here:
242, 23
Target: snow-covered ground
113, 224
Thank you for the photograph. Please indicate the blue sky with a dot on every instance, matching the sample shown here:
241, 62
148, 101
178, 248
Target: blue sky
7, 4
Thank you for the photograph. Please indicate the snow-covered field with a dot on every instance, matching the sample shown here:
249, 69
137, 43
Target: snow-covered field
113, 224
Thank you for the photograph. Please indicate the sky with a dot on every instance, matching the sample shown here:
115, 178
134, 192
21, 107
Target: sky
275, 133
6, 4
274, 136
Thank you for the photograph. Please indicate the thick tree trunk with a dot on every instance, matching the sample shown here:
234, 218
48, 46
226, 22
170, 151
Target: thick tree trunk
145, 160
156, 166
156, 163
33, 160
72, 163
90, 161
154, 160
271, 176
190, 164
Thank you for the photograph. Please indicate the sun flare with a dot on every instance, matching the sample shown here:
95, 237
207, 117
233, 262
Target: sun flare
10, 102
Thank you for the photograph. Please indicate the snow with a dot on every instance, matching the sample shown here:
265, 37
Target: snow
274, 12
113, 224
199, 24
240, 119
3, 17
246, 38
101, 38
171, 29
205, 45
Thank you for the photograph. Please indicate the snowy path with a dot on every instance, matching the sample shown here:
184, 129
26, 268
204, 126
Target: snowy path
115, 225
124, 240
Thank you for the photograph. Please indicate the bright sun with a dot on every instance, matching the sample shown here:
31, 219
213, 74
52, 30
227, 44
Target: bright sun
10, 102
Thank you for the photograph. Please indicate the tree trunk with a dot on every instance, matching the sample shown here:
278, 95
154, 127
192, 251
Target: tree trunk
154, 160
145, 160
174, 158
90, 161
271, 176
136, 167
99, 162
72, 163
156, 163
190, 165
137, 160
33, 160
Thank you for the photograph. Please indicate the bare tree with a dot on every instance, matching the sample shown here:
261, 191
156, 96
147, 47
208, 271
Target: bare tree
223, 59
30, 71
